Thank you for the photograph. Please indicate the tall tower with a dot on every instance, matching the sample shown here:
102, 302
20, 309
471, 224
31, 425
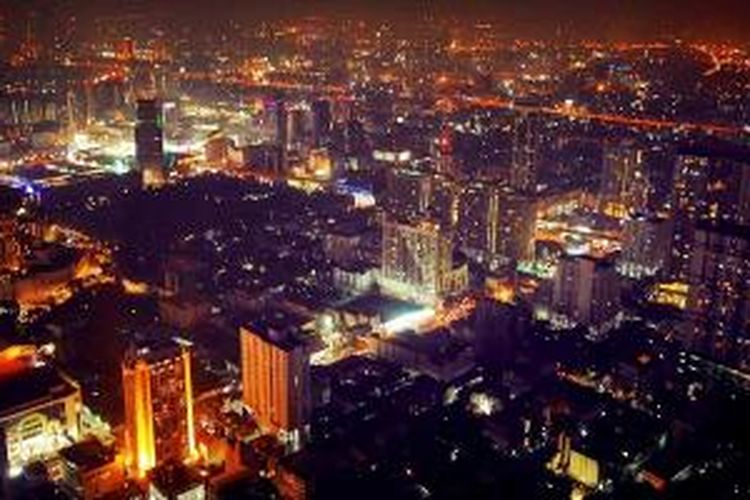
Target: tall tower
527, 139
417, 257
322, 121
282, 132
158, 391
149, 142
276, 374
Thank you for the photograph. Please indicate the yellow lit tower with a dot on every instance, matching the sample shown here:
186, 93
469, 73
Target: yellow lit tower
276, 374
158, 391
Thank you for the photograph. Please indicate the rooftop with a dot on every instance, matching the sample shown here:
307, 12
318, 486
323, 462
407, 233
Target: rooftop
25, 388
386, 308
88, 455
278, 326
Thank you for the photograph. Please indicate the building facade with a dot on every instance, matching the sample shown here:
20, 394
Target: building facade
158, 391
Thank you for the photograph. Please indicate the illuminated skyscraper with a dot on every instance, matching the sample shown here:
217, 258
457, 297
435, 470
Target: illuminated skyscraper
624, 186
515, 229
479, 217
719, 279
409, 191
158, 391
497, 224
710, 185
418, 260
527, 142
149, 142
276, 373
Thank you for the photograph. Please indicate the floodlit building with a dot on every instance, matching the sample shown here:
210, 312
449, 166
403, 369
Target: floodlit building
158, 390
276, 373
624, 186
39, 409
418, 261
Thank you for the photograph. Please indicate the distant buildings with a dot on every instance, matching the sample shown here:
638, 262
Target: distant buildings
158, 391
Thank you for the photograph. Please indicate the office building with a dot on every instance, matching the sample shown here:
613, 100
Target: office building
265, 158
516, 227
276, 373
624, 186
280, 116
149, 142
496, 225
645, 246
418, 261
528, 127
710, 184
586, 291
409, 191
158, 391
321, 122
479, 218
719, 279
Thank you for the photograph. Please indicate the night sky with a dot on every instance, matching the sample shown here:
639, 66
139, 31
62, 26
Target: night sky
610, 19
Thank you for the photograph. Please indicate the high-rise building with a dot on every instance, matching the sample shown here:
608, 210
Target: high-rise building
158, 391
586, 290
527, 142
266, 158
276, 373
282, 132
10, 248
719, 279
515, 229
497, 224
445, 202
645, 246
321, 122
478, 218
624, 186
711, 185
149, 142
408, 191
418, 260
